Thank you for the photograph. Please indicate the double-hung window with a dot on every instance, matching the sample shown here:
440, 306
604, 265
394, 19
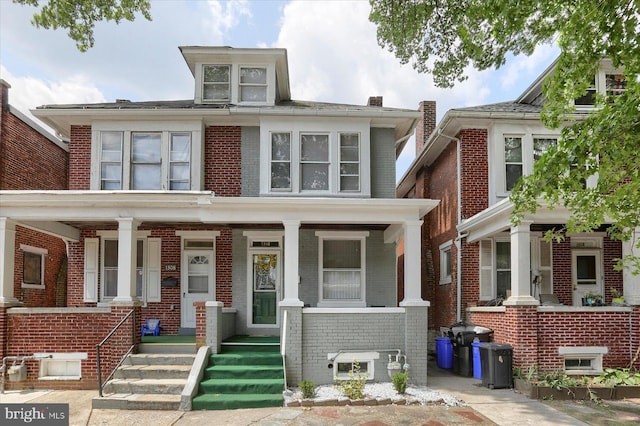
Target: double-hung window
216, 83
110, 269
33, 262
328, 158
607, 83
342, 268
253, 84
147, 158
495, 268
512, 160
445, 262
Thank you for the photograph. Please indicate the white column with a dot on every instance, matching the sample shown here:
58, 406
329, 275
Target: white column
127, 248
631, 282
7, 261
412, 264
521, 265
291, 263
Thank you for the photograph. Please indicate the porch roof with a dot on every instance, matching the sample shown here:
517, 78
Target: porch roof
497, 218
61, 211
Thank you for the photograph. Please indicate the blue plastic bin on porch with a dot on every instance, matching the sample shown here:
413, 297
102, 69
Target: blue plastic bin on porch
444, 352
477, 365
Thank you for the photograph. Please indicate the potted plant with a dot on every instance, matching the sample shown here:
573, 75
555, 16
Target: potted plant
617, 298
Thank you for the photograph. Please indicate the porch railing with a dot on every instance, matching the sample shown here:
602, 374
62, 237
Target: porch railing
99, 345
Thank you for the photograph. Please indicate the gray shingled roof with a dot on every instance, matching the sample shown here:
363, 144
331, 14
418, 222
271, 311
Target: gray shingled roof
503, 107
190, 104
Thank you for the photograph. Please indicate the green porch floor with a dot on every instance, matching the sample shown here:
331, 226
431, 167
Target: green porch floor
164, 339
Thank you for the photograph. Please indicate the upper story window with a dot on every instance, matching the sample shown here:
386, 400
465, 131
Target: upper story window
236, 84
607, 82
520, 153
315, 159
145, 159
216, 83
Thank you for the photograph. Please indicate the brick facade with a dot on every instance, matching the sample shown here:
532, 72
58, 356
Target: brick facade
222, 162
80, 158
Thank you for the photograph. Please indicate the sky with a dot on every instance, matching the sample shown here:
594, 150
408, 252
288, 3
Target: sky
331, 45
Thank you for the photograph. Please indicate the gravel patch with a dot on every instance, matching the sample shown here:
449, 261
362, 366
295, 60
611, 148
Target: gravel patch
379, 391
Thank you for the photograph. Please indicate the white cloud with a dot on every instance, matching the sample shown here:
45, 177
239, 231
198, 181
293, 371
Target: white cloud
521, 71
224, 17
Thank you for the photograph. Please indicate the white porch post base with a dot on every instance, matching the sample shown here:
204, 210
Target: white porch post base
291, 264
412, 264
521, 301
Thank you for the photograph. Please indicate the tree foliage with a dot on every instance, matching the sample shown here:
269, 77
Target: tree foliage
444, 37
79, 17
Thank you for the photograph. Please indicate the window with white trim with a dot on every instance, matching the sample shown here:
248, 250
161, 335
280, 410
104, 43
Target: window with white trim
343, 364
33, 263
235, 83
147, 157
216, 83
325, 158
61, 366
520, 152
253, 84
342, 268
608, 82
110, 269
445, 262
581, 360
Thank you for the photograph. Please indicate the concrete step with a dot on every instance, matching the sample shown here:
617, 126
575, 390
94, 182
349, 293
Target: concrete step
128, 401
160, 359
167, 348
146, 386
153, 372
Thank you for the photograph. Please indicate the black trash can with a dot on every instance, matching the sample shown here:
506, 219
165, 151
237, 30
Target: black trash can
462, 360
496, 364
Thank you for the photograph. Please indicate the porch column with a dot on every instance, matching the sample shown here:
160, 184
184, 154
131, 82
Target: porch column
521, 266
291, 262
631, 282
412, 264
127, 248
7, 262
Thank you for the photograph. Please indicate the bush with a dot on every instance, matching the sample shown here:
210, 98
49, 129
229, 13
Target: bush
308, 388
399, 381
353, 387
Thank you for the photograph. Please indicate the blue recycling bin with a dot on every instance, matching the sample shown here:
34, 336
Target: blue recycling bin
444, 352
477, 365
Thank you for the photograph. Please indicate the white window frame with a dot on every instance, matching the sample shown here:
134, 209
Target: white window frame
234, 84
227, 83
496, 151
111, 236
363, 358
446, 260
166, 129
43, 253
537, 267
593, 353
333, 128
264, 85
360, 236
606, 67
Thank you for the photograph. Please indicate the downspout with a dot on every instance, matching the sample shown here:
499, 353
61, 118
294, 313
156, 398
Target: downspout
460, 235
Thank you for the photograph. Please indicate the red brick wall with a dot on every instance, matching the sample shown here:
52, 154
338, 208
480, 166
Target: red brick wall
474, 171
29, 160
612, 278
440, 226
201, 324
470, 274
562, 281
53, 260
80, 158
536, 336
63, 332
222, 163
427, 125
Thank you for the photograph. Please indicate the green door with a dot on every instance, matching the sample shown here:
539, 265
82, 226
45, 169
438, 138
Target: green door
266, 286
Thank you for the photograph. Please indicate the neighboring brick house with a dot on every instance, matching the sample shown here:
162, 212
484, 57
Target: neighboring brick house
474, 257
32, 159
275, 208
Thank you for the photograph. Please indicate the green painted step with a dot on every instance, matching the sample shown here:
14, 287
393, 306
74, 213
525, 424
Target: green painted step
231, 402
242, 386
244, 372
246, 358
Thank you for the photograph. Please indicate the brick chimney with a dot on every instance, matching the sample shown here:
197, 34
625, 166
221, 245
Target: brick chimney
427, 125
375, 101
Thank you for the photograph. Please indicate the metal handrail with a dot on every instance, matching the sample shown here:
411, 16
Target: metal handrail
99, 345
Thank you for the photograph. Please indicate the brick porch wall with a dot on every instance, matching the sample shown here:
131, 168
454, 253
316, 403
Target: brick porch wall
619, 330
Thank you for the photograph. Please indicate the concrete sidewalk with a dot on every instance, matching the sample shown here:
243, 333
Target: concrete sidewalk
483, 407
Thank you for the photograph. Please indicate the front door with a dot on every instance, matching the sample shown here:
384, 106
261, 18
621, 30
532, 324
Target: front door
197, 283
586, 274
264, 290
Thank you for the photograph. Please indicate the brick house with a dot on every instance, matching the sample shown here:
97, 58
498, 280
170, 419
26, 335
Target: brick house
239, 210
32, 158
474, 258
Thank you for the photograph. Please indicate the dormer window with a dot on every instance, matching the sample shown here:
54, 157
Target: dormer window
237, 84
216, 83
607, 82
253, 84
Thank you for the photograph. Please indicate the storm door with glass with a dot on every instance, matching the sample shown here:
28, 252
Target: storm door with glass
264, 293
197, 283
